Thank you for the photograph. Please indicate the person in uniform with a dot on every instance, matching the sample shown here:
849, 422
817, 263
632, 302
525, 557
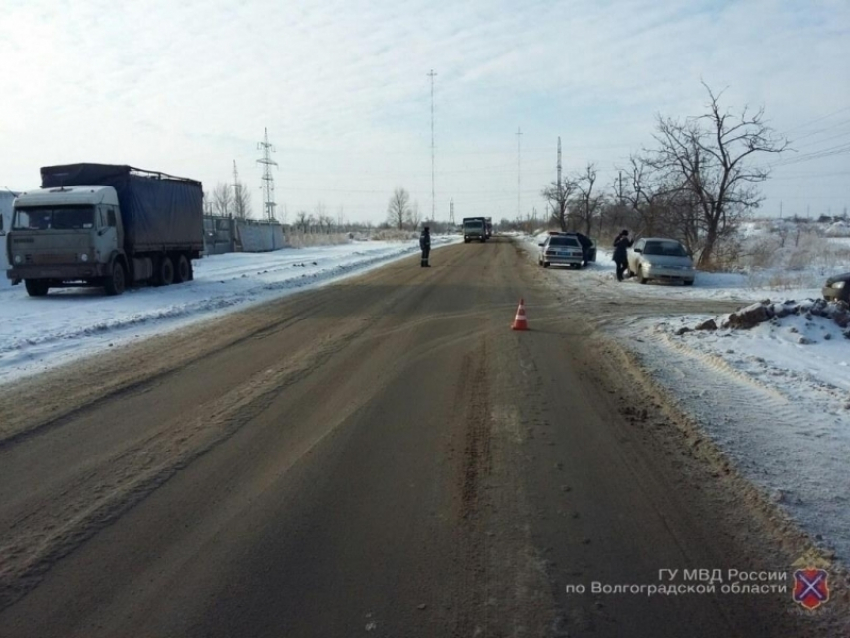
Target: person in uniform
425, 246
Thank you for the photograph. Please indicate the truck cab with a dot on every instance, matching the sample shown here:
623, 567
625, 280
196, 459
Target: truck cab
474, 228
63, 235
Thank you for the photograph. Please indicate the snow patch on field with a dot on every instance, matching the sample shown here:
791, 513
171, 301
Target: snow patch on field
776, 397
778, 407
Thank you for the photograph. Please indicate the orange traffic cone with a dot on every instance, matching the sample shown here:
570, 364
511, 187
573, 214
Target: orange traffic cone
520, 323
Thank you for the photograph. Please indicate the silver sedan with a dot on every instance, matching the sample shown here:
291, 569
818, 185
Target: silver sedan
661, 259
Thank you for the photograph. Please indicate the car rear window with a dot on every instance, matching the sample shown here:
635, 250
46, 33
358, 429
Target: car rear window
668, 248
564, 241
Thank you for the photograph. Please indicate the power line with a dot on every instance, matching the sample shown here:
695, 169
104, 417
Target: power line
815, 121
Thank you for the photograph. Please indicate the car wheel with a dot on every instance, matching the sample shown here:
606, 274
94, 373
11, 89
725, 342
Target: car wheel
641, 279
688, 282
545, 264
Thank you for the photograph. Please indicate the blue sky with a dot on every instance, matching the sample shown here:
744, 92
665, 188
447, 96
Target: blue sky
342, 87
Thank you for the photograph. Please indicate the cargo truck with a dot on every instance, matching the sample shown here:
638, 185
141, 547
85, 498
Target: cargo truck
105, 225
474, 228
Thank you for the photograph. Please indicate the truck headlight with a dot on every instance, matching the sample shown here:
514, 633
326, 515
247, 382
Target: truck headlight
84, 257
838, 284
18, 259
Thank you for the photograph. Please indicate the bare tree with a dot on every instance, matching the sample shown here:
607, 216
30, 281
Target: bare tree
588, 202
398, 207
413, 216
222, 199
558, 195
301, 220
208, 203
709, 156
241, 201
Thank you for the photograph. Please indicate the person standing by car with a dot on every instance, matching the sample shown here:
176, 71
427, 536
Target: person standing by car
621, 245
425, 246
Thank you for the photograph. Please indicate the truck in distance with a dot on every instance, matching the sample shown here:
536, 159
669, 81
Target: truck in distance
105, 225
474, 228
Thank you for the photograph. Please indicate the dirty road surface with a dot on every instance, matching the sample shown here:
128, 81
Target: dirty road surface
382, 456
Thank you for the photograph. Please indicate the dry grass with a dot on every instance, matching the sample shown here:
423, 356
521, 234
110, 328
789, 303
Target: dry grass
298, 239
393, 234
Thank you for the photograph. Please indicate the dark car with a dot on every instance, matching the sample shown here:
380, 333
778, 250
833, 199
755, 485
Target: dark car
837, 288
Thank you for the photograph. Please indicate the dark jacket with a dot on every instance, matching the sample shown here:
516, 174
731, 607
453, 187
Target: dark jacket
424, 240
620, 245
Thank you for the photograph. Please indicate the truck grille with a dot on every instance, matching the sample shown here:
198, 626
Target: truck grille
51, 258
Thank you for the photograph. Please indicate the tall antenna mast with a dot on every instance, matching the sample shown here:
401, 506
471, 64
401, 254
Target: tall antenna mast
432, 75
268, 179
518, 172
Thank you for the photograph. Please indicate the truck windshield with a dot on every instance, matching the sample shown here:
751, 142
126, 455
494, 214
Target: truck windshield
473, 225
54, 217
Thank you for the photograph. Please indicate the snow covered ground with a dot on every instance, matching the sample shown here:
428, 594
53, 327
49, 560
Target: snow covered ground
775, 398
40, 333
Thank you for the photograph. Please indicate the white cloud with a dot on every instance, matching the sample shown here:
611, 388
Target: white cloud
188, 87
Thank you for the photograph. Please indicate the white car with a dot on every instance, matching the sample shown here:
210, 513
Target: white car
661, 259
561, 250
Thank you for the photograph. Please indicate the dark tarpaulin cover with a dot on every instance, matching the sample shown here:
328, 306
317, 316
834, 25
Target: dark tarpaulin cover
159, 211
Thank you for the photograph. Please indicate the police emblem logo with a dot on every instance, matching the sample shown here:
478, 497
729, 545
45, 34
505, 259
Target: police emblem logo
811, 587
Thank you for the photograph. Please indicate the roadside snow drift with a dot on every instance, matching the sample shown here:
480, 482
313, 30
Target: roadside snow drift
39, 333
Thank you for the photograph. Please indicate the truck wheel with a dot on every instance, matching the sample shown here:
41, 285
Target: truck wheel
36, 287
183, 272
165, 276
116, 282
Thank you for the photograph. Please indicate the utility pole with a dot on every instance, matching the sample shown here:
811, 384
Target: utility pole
432, 75
561, 203
237, 193
780, 210
559, 166
268, 179
518, 172
452, 213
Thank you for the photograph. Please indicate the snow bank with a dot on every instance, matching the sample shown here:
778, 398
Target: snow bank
39, 333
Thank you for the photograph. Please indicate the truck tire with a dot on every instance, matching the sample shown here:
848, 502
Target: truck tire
116, 282
165, 272
36, 287
183, 272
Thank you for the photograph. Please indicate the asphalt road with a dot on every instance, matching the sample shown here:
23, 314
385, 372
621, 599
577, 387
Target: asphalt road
382, 456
